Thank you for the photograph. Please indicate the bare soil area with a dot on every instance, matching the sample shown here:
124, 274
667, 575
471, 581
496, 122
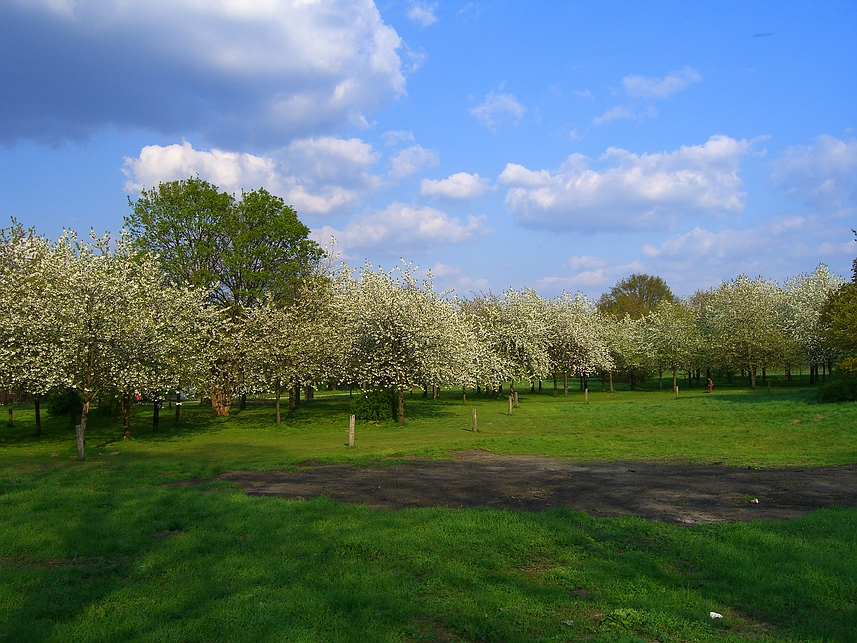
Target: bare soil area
669, 492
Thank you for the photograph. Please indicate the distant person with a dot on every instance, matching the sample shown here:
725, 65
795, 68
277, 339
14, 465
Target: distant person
710, 386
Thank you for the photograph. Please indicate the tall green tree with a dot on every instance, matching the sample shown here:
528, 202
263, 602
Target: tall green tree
636, 295
249, 247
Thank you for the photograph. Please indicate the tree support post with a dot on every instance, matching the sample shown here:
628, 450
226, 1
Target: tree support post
351, 419
586, 396
510, 405
78, 431
473, 424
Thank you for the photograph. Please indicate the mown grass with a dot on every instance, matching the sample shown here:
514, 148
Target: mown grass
110, 549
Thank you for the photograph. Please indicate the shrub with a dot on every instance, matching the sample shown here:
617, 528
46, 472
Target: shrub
843, 389
64, 401
376, 405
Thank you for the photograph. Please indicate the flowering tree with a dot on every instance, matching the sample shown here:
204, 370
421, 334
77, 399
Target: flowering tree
673, 337
397, 333
575, 338
744, 320
94, 317
804, 301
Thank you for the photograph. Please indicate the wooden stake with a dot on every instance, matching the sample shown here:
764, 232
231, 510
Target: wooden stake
510, 405
516, 399
676, 391
78, 431
473, 424
586, 396
351, 430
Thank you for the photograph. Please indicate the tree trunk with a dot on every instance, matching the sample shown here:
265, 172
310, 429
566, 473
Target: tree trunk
38, 415
242, 406
611, 381
764, 375
675, 378
540, 387
464, 394
309, 394
178, 411
84, 415
753, 377
565, 383
532, 386
156, 414
277, 398
554, 384
400, 405
500, 390
126, 416
292, 401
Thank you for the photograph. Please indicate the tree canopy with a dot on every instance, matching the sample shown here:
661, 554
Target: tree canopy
248, 247
636, 295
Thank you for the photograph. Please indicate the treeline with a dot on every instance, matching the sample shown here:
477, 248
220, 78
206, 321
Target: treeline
223, 297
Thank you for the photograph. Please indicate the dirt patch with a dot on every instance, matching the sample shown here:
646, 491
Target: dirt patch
668, 492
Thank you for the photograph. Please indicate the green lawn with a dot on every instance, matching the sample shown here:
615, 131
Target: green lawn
109, 550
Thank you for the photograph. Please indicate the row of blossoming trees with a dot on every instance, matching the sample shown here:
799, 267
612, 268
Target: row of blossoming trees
226, 296
101, 316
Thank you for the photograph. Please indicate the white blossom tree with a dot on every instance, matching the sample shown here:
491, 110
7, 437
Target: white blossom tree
398, 333
804, 300
575, 338
673, 337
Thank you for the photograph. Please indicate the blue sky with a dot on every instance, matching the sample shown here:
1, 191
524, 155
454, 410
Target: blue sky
559, 146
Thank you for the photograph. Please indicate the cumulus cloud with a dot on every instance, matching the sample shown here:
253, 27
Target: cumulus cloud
401, 227
647, 87
397, 137
316, 175
631, 191
248, 73
497, 109
411, 160
704, 257
458, 187
596, 273
423, 14
823, 175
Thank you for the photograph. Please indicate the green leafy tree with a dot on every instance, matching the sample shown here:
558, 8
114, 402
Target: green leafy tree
250, 247
636, 295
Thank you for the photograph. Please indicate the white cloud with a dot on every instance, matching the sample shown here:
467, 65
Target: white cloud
229, 170
394, 138
498, 108
773, 249
401, 227
647, 87
624, 113
598, 274
458, 187
585, 262
237, 73
422, 14
412, 160
444, 270
632, 191
823, 175
316, 176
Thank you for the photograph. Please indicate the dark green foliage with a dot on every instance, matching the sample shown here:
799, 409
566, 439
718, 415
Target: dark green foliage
377, 405
110, 405
843, 389
250, 246
636, 296
63, 402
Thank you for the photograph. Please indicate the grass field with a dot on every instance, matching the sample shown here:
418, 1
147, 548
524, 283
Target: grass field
109, 550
